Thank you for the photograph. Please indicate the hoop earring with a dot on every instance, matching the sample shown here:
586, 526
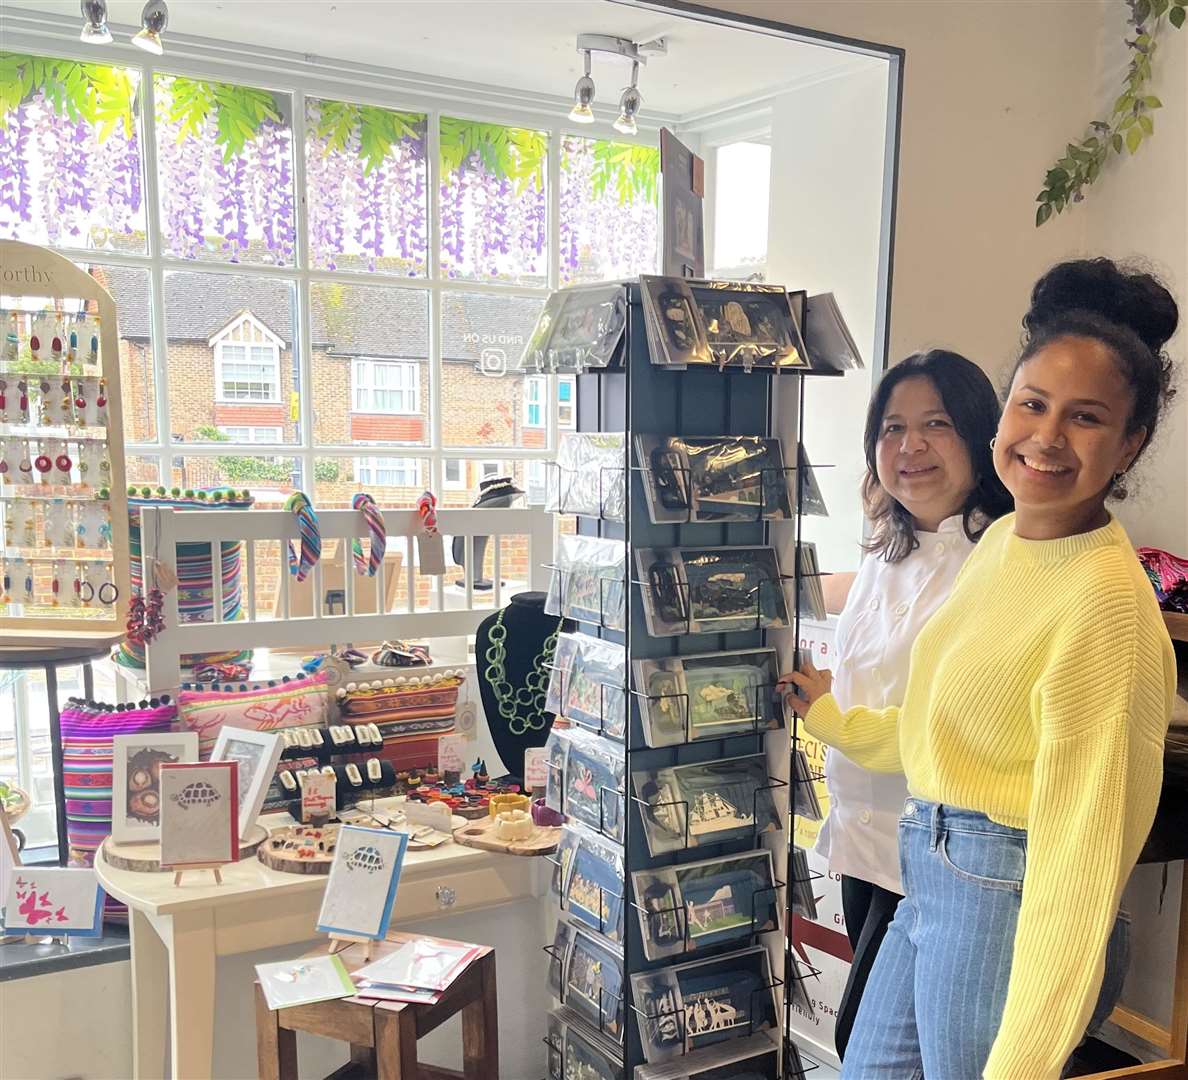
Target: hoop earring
992, 443
115, 593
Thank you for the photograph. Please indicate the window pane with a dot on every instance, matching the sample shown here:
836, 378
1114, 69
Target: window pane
226, 192
741, 193
211, 320
70, 160
483, 402
142, 470
357, 329
391, 481
463, 490
365, 175
609, 213
129, 289
271, 480
493, 202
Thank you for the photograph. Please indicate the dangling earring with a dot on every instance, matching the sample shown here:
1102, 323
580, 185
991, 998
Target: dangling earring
1117, 488
992, 442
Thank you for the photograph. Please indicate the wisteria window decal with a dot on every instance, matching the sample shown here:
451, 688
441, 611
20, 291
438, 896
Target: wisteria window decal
70, 154
225, 170
493, 202
366, 180
608, 199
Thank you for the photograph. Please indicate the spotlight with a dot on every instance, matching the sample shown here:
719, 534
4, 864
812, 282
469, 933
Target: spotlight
153, 20
583, 96
94, 31
629, 104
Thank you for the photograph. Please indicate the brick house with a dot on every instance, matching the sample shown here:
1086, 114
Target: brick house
231, 373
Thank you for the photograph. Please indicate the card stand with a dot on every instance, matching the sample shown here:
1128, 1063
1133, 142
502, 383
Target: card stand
762, 511
683, 1013
601, 928
681, 914
687, 614
774, 783
601, 622
603, 997
794, 1062
602, 485
754, 729
601, 727
600, 828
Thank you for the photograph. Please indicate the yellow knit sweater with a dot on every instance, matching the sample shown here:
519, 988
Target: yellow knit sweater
1039, 695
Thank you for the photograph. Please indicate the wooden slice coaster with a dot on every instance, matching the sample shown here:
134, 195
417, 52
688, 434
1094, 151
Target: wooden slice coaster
302, 856
146, 858
543, 839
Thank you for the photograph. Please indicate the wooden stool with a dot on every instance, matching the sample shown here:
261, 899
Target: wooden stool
383, 1034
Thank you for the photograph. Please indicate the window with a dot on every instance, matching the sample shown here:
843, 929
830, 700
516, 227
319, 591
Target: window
487, 469
741, 195
534, 402
388, 471
385, 386
247, 361
566, 393
535, 480
454, 473
252, 434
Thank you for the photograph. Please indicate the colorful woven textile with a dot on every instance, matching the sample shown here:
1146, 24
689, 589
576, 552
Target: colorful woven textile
411, 713
86, 765
195, 598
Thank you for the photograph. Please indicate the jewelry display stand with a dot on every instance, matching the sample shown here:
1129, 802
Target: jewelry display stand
639, 397
62, 485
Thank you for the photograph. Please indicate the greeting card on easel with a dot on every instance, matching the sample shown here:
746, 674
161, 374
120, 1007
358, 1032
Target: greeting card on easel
64, 902
361, 889
199, 814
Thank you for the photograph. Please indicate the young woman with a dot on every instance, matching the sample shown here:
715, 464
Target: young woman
929, 493
1033, 722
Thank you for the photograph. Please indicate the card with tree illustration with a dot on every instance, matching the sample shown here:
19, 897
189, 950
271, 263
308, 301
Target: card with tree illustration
64, 901
199, 813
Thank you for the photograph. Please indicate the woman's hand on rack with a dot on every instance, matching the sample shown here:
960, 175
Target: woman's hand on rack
810, 683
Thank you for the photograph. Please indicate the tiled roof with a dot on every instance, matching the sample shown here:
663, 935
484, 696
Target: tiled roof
348, 320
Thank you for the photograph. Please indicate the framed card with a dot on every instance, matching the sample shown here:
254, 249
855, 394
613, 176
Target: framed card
63, 901
199, 814
256, 753
361, 888
136, 781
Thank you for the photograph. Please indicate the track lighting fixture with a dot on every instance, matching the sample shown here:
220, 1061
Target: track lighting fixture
153, 20
619, 50
629, 103
94, 31
583, 97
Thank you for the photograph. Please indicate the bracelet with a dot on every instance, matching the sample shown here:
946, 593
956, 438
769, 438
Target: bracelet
546, 815
115, 593
375, 772
353, 775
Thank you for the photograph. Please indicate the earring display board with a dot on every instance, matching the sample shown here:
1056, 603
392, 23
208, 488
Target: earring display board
676, 872
64, 526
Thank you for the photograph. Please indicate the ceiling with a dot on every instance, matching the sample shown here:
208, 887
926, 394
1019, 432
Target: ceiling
521, 44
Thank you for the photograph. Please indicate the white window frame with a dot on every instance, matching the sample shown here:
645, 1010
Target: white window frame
362, 380
371, 465
536, 397
302, 80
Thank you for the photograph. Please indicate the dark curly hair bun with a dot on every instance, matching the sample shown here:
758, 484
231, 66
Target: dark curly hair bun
1133, 299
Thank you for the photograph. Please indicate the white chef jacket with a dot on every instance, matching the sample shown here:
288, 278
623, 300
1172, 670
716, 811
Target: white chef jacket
887, 607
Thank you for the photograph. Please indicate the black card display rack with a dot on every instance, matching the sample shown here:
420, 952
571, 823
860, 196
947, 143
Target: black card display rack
639, 397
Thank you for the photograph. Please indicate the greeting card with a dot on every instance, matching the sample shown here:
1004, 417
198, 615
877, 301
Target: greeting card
54, 900
199, 813
361, 889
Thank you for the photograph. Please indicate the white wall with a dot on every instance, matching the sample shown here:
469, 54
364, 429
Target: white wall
827, 172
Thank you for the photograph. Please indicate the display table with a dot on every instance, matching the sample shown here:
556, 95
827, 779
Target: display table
178, 932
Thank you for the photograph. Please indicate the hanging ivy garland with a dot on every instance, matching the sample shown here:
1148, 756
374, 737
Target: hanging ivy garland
1130, 122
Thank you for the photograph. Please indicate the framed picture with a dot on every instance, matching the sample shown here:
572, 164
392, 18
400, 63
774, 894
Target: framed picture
63, 901
361, 888
199, 814
136, 781
256, 753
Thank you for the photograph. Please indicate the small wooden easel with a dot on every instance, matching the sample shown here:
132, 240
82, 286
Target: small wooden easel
339, 942
211, 866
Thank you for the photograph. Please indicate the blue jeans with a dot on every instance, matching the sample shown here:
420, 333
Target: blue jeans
935, 998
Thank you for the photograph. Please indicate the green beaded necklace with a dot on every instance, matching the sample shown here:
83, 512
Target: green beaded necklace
529, 698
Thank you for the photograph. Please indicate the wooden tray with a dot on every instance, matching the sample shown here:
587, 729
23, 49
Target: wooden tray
481, 834
272, 855
145, 858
